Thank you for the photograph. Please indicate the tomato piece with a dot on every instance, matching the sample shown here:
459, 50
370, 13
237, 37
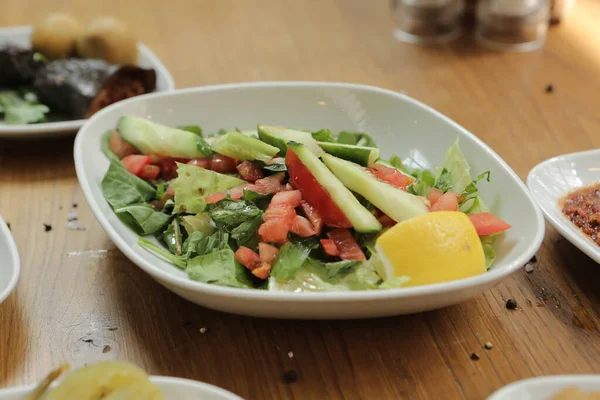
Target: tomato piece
235, 193
386, 221
446, 202
391, 175
262, 270
434, 195
120, 146
315, 194
330, 248
486, 223
267, 253
313, 216
135, 163
274, 231
279, 217
223, 164
346, 245
168, 166
201, 162
302, 227
246, 256
292, 198
150, 172
270, 184
250, 171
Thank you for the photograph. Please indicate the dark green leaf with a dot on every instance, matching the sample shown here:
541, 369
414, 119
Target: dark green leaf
424, 181
229, 214
324, 135
142, 218
444, 181
396, 162
105, 146
190, 246
220, 268
260, 200
246, 233
121, 188
192, 128
356, 138
173, 237
334, 268
289, 260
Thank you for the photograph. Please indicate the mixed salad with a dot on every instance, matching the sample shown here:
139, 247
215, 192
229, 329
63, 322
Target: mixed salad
277, 208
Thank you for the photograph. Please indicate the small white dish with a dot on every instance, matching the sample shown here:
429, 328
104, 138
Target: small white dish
546, 387
9, 262
398, 123
553, 179
172, 388
20, 35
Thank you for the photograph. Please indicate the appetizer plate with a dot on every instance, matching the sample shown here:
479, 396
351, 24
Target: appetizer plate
172, 388
398, 124
553, 179
546, 388
20, 35
9, 262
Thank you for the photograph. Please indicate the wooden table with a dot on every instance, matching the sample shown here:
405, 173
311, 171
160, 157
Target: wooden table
77, 302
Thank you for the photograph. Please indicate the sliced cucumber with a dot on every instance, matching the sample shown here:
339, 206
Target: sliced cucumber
360, 218
241, 147
151, 138
396, 203
358, 154
279, 137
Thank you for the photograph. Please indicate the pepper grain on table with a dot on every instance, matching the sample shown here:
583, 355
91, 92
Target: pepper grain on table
77, 285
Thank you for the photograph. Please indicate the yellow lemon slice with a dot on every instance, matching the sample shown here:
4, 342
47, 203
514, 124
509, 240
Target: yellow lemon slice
431, 248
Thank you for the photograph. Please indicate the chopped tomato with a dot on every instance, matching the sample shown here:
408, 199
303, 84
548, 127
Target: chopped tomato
279, 217
250, 171
135, 163
313, 216
391, 175
386, 221
434, 194
446, 202
267, 252
119, 146
262, 270
201, 162
347, 246
168, 166
270, 184
315, 194
302, 227
150, 172
330, 248
246, 256
486, 223
223, 164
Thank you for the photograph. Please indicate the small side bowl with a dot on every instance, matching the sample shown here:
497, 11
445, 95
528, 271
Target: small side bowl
398, 123
10, 265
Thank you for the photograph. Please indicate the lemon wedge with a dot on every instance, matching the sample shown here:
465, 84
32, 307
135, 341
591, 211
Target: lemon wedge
430, 248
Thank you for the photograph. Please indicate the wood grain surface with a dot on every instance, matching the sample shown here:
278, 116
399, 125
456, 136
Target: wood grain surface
80, 300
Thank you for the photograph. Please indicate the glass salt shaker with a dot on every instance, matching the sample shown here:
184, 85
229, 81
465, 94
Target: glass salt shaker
516, 25
427, 21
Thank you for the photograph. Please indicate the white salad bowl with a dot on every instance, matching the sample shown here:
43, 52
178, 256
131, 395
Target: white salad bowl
20, 35
399, 124
546, 387
555, 178
172, 388
9, 262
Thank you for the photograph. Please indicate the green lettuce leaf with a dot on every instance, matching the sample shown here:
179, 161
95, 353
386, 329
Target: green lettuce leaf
472, 202
142, 218
458, 167
20, 109
121, 188
173, 238
289, 260
488, 250
229, 214
356, 138
246, 233
193, 184
192, 128
443, 181
424, 181
220, 268
178, 261
396, 162
197, 223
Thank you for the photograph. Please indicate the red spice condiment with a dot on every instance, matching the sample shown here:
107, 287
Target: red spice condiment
583, 209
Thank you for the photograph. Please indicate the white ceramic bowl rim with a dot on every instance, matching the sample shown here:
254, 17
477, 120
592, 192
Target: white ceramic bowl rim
14, 255
493, 274
561, 382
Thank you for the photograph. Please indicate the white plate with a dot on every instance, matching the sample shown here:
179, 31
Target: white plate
20, 35
9, 262
552, 179
172, 388
546, 388
398, 124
